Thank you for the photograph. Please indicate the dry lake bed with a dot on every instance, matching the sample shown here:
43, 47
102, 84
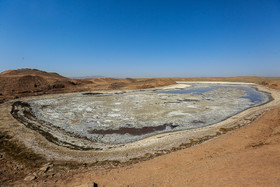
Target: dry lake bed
109, 125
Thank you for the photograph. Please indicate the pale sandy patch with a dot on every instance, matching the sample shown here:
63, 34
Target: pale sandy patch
176, 86
212, 82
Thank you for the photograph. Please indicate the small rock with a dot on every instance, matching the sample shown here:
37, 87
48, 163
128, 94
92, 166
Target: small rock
30, 178
45, 168
89, 184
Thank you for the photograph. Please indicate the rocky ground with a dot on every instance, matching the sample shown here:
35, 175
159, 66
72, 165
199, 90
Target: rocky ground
248, 156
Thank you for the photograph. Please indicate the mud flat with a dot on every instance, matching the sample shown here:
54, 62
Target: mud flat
164, 120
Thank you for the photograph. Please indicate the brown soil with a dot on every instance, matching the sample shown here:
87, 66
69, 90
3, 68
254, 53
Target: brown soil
248, 156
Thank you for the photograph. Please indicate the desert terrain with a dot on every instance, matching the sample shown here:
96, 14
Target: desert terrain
233, 157
30, 82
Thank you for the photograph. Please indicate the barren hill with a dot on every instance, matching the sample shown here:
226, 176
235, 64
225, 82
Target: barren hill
23, 82
27, 82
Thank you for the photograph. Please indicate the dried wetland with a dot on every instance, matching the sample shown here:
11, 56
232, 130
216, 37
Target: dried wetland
124, 117
134, 124
104, 128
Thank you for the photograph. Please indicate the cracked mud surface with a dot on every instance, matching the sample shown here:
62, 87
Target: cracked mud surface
100, 121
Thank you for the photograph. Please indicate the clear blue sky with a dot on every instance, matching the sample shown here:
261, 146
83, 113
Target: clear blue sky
142, 38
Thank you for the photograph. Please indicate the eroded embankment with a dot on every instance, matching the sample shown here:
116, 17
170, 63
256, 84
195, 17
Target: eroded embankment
22, 111
49, 145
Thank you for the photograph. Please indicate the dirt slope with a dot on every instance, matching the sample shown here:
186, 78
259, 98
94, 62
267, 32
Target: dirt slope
25, 82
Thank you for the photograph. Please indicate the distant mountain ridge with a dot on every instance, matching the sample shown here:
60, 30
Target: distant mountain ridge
88, 77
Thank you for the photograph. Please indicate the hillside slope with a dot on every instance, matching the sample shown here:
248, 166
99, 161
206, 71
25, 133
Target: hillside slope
24, 82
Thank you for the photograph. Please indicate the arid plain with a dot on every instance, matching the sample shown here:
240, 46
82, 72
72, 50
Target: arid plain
238, 154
